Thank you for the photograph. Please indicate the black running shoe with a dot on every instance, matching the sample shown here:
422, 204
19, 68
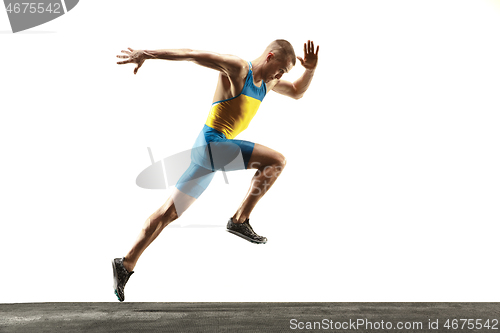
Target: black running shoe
244, 230
120, 278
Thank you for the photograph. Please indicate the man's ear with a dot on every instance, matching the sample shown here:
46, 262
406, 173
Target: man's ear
270, 55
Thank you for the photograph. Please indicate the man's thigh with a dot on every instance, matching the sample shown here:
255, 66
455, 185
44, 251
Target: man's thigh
263, 156
195, 180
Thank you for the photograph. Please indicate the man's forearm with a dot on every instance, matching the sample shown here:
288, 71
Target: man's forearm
169, 54
303, 82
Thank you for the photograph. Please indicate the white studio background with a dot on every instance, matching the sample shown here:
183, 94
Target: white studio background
391, 192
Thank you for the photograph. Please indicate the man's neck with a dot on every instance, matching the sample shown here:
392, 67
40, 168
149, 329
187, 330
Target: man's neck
257, 66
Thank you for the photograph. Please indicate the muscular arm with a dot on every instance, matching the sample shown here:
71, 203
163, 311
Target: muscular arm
229, 65
298, 88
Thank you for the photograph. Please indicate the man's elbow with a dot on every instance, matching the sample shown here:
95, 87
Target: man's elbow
297, 93
297, 96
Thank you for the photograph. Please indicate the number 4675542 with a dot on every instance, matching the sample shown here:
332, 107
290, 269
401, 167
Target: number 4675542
33, 7
471, 324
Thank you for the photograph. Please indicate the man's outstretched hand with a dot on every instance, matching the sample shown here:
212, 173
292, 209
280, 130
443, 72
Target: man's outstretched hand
310, 59
132, 57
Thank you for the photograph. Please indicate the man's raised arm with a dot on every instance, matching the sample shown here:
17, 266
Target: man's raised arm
227, 64
298, 88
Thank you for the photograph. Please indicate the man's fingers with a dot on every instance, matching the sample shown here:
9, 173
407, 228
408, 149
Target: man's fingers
121, 56
301, 60
309, 47
127, 61
124, 51
317, 50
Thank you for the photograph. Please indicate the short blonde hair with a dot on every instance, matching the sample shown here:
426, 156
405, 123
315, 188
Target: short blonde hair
282, 49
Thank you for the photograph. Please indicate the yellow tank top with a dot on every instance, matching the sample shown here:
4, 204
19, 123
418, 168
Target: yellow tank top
232, 116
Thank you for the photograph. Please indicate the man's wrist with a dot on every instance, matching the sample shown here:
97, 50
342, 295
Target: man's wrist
149, 54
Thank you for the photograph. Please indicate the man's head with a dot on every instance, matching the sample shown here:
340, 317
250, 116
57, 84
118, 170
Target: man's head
280, 59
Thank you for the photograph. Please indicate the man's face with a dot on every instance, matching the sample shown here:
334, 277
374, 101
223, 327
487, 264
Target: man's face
276, 68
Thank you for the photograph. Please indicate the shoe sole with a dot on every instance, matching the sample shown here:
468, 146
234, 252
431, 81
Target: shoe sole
115, 280
246, 237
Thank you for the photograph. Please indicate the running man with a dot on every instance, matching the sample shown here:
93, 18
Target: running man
241, 87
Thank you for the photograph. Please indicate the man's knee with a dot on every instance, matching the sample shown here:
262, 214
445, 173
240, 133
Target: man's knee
169, 215
275, 166
280, 161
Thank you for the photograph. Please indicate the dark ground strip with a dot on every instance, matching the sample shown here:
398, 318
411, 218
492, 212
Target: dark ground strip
232, 317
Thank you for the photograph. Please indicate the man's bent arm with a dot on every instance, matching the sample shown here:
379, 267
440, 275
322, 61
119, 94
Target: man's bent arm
296, 89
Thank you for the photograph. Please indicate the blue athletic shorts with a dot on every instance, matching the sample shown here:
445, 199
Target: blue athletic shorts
211, 152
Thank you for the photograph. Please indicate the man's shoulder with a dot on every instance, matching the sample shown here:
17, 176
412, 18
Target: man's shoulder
241, 65
238, 67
